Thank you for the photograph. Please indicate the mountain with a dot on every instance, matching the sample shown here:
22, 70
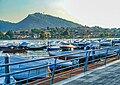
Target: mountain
37, 20
5, 26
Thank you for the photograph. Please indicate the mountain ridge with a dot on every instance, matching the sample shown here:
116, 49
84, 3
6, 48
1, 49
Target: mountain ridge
37, 20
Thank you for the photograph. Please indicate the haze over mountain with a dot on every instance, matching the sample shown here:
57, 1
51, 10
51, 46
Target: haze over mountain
37, 20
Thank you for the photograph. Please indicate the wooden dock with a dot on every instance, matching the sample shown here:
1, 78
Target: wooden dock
71, 73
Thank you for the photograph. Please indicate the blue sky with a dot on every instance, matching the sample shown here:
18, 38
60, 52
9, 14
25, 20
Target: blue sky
16, 10
103, 13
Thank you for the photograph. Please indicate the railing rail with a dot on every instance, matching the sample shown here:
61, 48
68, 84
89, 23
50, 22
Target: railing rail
89, 54
26, 61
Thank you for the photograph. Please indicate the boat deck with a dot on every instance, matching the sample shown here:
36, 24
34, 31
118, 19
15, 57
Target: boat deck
105, 75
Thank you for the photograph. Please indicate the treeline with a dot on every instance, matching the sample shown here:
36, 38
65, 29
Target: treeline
62, 32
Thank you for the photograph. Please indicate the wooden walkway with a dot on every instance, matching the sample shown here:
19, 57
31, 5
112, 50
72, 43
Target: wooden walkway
70, 73
109, 75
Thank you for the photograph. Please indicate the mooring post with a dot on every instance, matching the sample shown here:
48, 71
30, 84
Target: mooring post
7, 69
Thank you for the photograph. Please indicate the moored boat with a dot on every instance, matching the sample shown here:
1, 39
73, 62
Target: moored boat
65, 46
24, 66
37, 48
13, 49
53, 48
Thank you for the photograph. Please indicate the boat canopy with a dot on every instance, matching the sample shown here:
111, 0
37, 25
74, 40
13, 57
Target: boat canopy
24, 44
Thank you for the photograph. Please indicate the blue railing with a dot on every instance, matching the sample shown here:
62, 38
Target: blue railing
33, 73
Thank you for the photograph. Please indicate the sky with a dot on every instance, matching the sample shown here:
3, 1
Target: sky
104, 13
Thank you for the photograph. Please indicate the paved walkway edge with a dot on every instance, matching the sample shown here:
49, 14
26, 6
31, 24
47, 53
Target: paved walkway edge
83, 74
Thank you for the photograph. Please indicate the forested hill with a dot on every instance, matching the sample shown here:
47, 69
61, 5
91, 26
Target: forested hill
37, 20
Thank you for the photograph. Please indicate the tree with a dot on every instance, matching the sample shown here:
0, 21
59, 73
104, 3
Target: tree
7, 37
37, 31
102, 35
1, 35
10, 34
42, 35
65, 33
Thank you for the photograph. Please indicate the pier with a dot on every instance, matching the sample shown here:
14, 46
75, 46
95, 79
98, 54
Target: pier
85, 63
104, 75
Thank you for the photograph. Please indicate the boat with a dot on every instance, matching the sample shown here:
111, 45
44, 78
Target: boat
23, 66
65, 46
54, 53
116, 42
60, 65
79, 45
53, 48
32, 46
106, 43
62, 53
54, 45
23, 45
13, 49
82, 53
37, 48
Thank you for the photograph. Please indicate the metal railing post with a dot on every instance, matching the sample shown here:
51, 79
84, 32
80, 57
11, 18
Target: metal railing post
7, 69
118, 53
53, 72
106, 55
93, 57
78, 62
86, 61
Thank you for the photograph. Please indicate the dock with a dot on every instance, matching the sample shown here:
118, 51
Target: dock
104, 75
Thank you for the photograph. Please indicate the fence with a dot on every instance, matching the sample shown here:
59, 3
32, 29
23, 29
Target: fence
91, 57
